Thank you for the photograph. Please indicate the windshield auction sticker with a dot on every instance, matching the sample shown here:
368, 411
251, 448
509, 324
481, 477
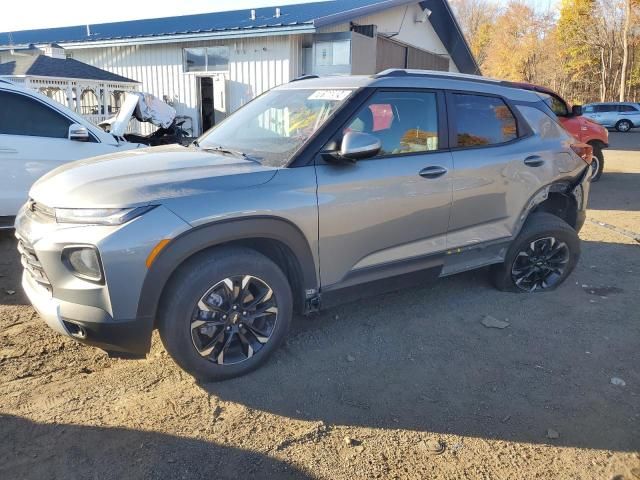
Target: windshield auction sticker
334, 95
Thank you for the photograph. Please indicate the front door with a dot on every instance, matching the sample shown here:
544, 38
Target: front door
393, 209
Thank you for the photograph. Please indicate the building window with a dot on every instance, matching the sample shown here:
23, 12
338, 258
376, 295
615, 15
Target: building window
210, 59
333, 53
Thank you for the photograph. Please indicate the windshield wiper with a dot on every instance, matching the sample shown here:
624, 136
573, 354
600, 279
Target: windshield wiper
229, 151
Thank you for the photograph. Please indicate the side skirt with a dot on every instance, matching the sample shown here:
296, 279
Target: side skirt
374, 281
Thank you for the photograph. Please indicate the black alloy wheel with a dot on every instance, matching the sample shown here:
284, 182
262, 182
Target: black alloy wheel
540, 265
234, 319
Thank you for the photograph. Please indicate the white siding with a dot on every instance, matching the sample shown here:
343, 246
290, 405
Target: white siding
255, 66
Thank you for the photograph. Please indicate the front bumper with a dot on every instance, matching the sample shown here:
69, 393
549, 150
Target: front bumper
99, 314
89, 325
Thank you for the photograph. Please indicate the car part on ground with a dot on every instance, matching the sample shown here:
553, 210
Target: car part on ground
323, 188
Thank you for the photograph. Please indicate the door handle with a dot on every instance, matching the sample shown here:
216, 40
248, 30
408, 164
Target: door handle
432, 172
533, 161
8, 150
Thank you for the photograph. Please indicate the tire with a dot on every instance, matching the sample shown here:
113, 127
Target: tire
193, 331
624, 126
598, 157
537, 230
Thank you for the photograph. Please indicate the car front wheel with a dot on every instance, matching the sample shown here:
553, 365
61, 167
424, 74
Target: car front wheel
225, 312
540, 258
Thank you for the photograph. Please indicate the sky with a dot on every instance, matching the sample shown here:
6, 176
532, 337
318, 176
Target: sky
47, 14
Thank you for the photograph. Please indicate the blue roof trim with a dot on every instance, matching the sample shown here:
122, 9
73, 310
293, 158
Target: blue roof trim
313, 15
446, 26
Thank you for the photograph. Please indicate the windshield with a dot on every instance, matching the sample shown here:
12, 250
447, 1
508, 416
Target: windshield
273, 127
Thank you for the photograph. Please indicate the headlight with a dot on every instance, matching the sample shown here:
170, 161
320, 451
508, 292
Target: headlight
83, 262
99, 216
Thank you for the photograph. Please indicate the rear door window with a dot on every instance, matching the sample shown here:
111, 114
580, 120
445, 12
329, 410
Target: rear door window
627, 108
482, 120
21, 115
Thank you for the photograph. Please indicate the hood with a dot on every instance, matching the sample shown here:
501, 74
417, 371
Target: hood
144, 176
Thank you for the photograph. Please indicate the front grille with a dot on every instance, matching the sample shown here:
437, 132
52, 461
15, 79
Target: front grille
31, 263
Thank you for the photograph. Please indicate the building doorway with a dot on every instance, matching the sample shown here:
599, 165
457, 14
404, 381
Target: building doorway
207, 109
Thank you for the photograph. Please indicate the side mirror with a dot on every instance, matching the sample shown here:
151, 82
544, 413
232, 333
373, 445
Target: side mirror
576, 111
78, 133
358, 146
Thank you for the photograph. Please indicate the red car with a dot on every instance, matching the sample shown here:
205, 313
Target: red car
582, 128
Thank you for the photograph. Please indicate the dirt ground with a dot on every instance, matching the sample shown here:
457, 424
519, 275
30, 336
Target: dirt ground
361, 391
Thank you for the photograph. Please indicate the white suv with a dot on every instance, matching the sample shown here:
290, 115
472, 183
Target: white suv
36, 135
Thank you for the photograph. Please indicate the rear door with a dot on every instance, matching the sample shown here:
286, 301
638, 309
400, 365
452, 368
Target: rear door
499, 164
388, 214
33, 140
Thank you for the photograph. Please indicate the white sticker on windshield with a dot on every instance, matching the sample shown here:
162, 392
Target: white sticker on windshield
334, 95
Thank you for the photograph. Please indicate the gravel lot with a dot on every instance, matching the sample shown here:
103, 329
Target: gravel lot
366, 390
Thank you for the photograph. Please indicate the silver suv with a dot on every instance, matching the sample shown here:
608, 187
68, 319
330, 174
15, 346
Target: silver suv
316, 191
621, 116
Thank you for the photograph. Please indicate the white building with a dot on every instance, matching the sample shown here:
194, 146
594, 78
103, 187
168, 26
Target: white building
209, 65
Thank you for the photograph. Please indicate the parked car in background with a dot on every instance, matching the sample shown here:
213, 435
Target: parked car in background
38, 134
316, 190
621, 116
577, 124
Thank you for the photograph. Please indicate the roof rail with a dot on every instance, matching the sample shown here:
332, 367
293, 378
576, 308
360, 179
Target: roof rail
304, 77
391, 72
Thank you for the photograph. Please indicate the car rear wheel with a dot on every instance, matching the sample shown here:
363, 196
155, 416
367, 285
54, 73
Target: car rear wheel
597, 164
541, 257
225, 312
624, 126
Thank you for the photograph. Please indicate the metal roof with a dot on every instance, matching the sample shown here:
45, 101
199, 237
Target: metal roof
43, 66
292, 17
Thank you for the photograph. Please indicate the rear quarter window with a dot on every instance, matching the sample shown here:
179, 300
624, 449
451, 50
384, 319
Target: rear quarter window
541, 123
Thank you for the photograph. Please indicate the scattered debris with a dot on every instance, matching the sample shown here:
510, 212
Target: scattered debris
506, 419
457, 446
492, 322
351, 358
635, 472
348, 441
601, 292
618, 381
552, 434
10, 292
359, 449
432, 446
